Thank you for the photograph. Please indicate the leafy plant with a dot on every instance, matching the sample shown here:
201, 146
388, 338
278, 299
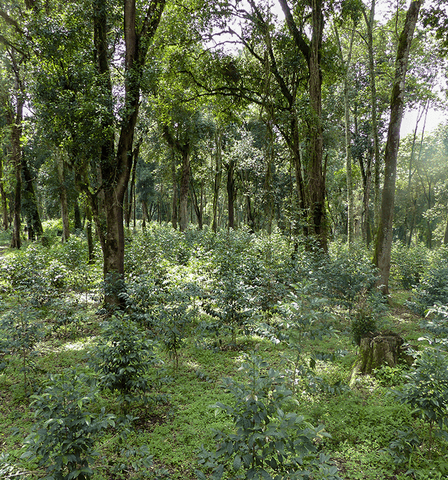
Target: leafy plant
427, 388
21, 332
63, 439
403, 447
432, 290
408, 263
266, 442
173, 323
123, 356
389, 376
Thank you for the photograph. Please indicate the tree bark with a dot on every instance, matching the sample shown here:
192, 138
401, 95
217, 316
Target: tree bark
383, 244
217, 179
15, 121
4, 199
63, 199
115, 166
315, 171
374, 108
231, 193
317, 177
348, 139
184, 189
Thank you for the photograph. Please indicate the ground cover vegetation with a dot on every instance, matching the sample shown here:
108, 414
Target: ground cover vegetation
231, 359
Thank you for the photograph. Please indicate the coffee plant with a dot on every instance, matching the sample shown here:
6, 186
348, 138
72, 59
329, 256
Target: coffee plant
64, 436
266, 441
426, 390
123, 356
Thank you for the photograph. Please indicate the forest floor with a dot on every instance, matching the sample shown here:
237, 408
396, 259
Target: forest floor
371, 435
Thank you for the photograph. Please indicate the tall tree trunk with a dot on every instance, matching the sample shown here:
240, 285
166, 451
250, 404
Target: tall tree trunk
77, 214
316, 171
184, 189
231, 193
63, 199
374, 109
90, 246
348, 139
175, 201
16, 134
217, 178
4, 199
116, 166
29, 203
197, 205
383, 244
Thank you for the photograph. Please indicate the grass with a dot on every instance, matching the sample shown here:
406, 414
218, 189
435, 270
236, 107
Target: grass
362, 421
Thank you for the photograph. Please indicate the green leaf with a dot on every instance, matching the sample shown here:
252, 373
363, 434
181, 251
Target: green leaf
237, 462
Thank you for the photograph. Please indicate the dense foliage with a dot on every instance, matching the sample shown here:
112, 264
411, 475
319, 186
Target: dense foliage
265, 336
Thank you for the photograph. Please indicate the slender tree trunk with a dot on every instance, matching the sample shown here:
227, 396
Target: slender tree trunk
316, 170
348, 139
4, 199
16, 157
197, 205
374, 109
116, 166
29, 203
231, 193
77, 214
217, 179
175, 201
384, 238
63, 199
184, 189
269, 197
445, 237
145, 215
90, 246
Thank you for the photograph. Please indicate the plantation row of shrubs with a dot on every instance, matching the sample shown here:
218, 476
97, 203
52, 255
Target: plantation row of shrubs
234, 274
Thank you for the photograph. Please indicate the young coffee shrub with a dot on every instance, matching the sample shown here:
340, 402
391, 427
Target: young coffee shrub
345, 274
266, 441
123, 356
426, 389
432, 290
408, 264
63, 439
20, 331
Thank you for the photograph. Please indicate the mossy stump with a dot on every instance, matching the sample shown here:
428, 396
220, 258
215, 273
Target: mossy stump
376, 350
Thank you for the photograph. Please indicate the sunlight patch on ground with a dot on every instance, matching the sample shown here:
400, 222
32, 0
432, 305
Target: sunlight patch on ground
70, 346
193, 365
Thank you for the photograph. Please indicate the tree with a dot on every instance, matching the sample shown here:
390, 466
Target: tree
79, 101
383, 244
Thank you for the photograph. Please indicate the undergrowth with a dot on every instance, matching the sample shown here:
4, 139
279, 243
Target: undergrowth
231, 360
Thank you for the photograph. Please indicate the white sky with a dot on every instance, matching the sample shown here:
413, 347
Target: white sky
434, 118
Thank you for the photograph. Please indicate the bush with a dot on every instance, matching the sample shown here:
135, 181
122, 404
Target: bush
408, 264
123, 356
426, 389
433, 289
63, 439
267, 442
345, 274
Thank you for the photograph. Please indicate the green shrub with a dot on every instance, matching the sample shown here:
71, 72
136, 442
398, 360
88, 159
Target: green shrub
266, 442
345, 274
408, 264
123, 356
432, 290
426, 389
64, 436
